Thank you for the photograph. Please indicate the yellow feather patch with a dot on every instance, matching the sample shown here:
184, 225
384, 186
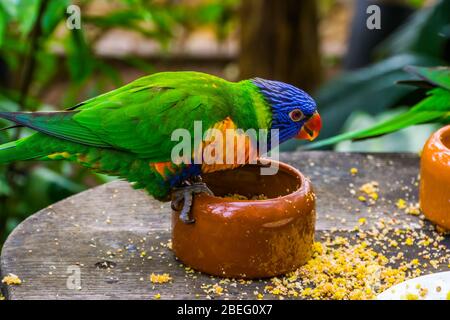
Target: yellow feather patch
233, 149
59, 156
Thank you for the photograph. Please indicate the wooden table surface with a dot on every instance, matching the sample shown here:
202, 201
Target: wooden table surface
100, 234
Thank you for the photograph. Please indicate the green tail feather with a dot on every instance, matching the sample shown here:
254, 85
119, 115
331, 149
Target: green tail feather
12, 151
24, 149
8, 152
57, 124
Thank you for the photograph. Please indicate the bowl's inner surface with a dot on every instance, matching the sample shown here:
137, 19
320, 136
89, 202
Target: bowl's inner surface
248, 181
445, 138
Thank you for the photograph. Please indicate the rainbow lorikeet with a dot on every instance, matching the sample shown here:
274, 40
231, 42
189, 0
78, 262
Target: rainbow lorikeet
127, 132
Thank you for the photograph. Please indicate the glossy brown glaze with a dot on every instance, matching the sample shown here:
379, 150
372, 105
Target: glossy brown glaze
435, 178
249, 238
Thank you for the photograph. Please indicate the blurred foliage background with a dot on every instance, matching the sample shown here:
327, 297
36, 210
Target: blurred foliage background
322, 46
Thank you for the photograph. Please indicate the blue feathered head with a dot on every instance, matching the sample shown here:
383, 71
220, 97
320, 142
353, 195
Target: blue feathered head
294, 112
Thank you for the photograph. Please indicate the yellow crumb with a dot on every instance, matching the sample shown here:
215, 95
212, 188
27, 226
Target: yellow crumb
317, 247
369, 187
423, 292
362, 220
259, 197
442, 231
370, 190
413, 210
354, 171
236, 196
160, 278
157, 296
276, 291
11, 279
218, 289
409, 241
412, 296
393, 243
401, 204
448, 296
209, 289
259, 296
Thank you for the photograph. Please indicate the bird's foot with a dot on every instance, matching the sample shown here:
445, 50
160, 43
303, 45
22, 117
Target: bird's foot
185, 194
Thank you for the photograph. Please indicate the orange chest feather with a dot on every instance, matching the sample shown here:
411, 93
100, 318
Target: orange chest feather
223, 147
226, 147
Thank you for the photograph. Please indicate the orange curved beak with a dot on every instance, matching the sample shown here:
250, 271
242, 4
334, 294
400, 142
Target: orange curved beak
311, 129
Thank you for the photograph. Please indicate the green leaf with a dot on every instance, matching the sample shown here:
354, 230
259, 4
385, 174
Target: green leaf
79, 58
369, 89
49, 62
210, 13
54, 179
5, 190
7, 104
434, 108
421, 33
110, 73
439, 76
54, 14
438, 100
140, 64
125, 19
27, 12
10, 7
416, 3
3, 24
11, 224
410, 139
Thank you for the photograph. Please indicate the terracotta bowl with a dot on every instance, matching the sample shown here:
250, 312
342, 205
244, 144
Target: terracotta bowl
435, 178
249, 238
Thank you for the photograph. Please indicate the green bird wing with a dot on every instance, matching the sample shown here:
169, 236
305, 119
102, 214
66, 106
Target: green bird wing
145, 126
141, 116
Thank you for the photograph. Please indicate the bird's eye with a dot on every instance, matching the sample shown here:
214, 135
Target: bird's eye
296, 115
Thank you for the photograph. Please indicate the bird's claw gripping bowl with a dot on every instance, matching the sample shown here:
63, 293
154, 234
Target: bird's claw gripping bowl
249, 238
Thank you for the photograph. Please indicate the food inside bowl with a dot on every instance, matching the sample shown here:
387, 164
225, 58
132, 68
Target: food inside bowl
236, 196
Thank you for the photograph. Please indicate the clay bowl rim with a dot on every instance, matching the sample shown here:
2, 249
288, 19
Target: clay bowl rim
301, 191
439, 136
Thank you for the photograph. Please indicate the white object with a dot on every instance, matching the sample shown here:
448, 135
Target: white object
435, 286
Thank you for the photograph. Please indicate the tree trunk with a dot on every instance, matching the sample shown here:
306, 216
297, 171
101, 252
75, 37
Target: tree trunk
279, 41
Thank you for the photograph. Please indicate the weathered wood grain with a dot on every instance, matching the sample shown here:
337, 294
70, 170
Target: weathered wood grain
112, 225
